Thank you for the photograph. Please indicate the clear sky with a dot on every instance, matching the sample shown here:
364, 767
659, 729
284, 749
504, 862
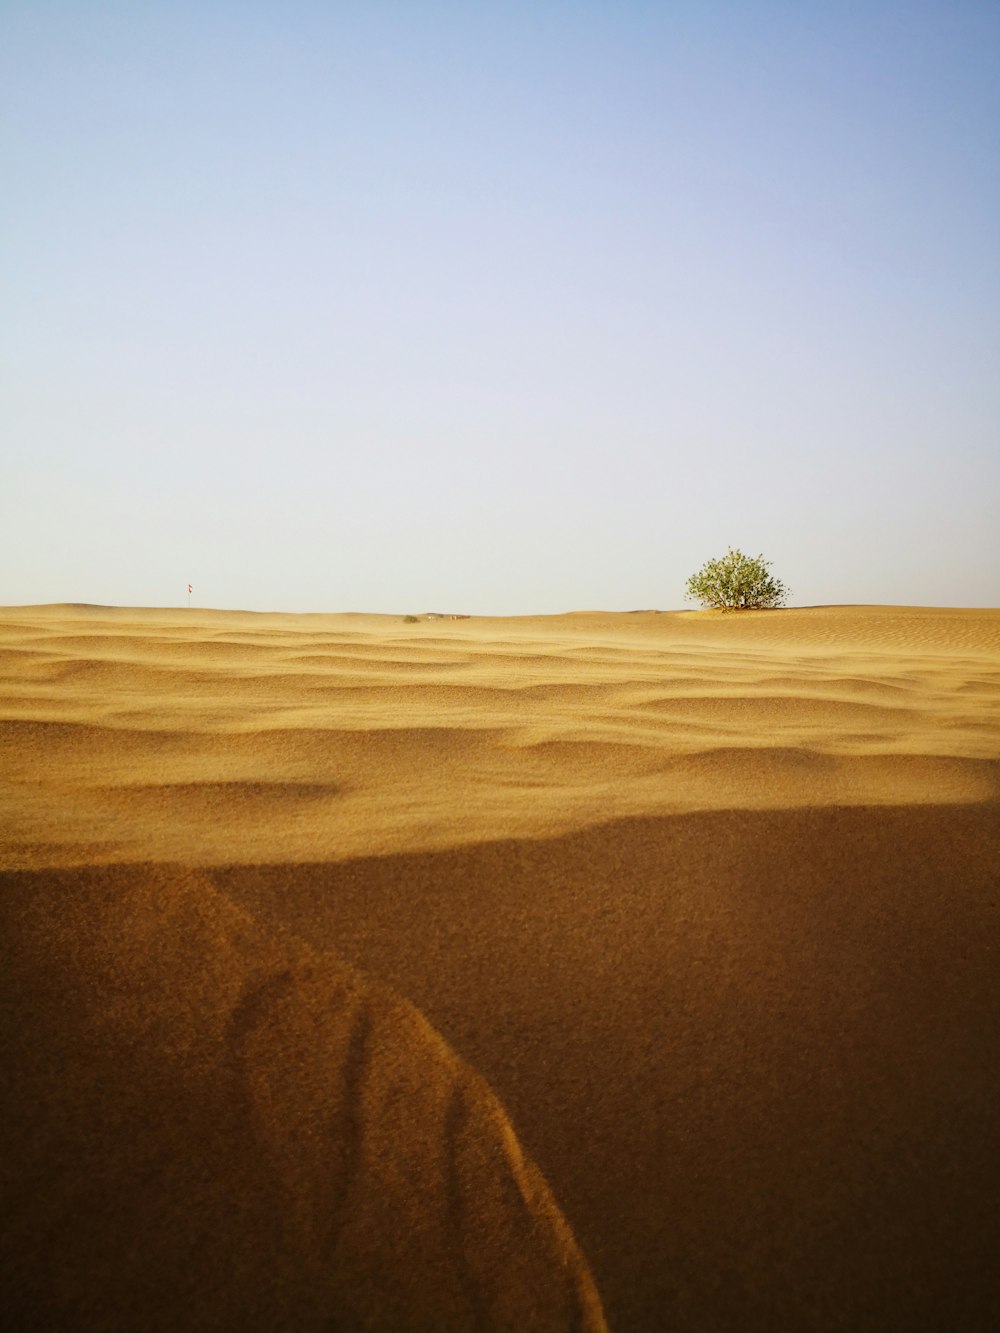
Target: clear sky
498, 307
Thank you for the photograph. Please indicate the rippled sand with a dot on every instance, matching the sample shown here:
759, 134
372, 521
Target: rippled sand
415, 975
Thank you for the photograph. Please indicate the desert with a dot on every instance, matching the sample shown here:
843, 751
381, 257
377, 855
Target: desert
610, 969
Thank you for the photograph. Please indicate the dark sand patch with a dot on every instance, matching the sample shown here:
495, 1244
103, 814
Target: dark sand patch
756, 1054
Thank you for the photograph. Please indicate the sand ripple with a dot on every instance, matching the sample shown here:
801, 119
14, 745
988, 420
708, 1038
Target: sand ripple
207, 1131
141, 735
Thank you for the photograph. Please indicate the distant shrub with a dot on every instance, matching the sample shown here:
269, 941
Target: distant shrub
411, 620
736, 582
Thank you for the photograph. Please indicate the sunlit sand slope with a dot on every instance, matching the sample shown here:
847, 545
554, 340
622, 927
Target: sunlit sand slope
220, 736
206, 1130
709, 902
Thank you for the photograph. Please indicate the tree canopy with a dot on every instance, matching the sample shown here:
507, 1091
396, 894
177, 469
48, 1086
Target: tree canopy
736, 582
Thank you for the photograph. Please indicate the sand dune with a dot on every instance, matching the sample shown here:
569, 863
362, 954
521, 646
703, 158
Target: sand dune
706, 903
131, 738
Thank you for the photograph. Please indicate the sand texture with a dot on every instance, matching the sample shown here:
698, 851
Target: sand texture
517, 973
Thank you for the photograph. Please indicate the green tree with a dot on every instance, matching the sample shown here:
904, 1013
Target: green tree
736, 582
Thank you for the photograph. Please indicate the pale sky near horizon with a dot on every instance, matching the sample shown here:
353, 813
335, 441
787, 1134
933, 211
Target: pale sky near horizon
498, 308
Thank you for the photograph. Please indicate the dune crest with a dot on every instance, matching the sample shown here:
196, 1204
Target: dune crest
227, 1132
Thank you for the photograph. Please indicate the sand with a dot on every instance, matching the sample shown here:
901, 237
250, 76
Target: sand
510, 973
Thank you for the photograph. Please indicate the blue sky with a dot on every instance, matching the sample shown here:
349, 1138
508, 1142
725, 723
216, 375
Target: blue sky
498, 307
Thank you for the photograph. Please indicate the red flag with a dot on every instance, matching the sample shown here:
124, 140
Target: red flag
190, 589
